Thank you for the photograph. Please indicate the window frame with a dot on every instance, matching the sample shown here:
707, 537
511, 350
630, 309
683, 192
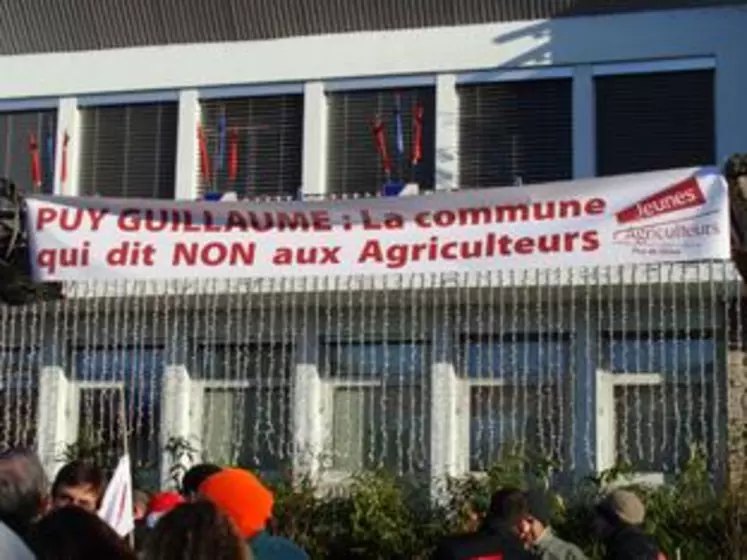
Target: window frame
200, 386
466, 383
608, 381
77, 384
330, 475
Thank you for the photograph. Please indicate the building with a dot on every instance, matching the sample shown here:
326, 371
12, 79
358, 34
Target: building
588, 368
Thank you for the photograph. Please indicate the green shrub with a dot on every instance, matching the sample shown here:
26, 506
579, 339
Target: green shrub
380, 516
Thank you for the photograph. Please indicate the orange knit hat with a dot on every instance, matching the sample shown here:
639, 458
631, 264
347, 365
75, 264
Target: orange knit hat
241, 496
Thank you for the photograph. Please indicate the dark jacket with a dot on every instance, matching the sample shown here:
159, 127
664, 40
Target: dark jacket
628, 542
492, 542
268, 547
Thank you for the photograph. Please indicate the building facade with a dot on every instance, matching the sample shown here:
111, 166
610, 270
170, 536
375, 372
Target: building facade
431, 376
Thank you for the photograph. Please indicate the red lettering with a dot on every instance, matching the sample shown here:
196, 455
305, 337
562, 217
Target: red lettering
45, 216
524, 246
422, 219
330, 255
214, 253
320, 220
590, 241
595, 206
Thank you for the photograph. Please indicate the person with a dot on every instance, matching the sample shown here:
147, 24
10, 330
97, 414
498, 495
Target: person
80, 483
535, 530
497, 537
246, 501
140, 499
195, 476
618, 519
24, 499
72, 532
196, 531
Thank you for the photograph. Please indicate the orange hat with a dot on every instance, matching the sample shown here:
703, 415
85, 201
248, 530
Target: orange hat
241, 496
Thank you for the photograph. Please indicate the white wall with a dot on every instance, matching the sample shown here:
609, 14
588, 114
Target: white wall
714, 32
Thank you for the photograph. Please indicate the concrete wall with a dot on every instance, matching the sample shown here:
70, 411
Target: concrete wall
578, 47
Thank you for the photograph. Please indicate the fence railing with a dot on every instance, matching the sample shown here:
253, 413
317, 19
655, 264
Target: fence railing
428, 375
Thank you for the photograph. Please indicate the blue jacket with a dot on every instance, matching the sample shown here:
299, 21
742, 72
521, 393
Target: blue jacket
268, 547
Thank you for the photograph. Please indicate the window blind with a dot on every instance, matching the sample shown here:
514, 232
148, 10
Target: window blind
354, 164
128, 150
263, 136
515, 132
654, 121
16, 131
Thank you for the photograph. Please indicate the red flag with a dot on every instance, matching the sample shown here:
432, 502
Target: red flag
417, 133
36, 173
233, 155
63, 170
204, 156
380, 139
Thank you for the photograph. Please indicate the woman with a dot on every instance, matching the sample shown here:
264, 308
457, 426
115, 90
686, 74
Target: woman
70, 533
196, 531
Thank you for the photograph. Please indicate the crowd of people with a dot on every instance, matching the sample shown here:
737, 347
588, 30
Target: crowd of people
223, 514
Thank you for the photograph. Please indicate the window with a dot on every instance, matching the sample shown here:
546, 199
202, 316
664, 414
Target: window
519, 396
120, 389
515, 132
380, 405
254, 145
655, 121
250, 427
17, 130
102, 419
669, 393
128, 150
19, 396
246, 407
354, 164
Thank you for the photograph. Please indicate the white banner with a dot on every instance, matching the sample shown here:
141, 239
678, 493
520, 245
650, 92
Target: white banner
678, 215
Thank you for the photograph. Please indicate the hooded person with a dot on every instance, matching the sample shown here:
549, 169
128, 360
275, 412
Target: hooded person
535, 530
618, 520
248, 503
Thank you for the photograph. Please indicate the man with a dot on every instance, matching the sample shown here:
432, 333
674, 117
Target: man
618, 521
497, 538
536, 532
140, 500
246, 501
23, 500
80, 484
195, 476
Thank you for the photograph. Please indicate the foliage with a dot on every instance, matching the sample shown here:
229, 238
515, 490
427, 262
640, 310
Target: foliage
381, 516
181, 454
90, 447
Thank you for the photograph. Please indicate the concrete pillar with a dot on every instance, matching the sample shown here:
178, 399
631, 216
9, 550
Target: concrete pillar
447, 133
186, 146
314, 167
176, 423
584, 123
53, 411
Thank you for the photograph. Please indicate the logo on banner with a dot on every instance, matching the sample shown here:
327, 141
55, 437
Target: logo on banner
685, 194
673, 234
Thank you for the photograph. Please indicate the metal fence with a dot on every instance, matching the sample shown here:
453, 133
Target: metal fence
432, 375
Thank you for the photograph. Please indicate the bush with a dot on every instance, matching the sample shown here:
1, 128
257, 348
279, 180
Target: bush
379, 516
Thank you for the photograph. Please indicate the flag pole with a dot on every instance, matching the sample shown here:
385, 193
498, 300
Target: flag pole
125, 447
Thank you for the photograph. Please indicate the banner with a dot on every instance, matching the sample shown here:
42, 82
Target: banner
678, 215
